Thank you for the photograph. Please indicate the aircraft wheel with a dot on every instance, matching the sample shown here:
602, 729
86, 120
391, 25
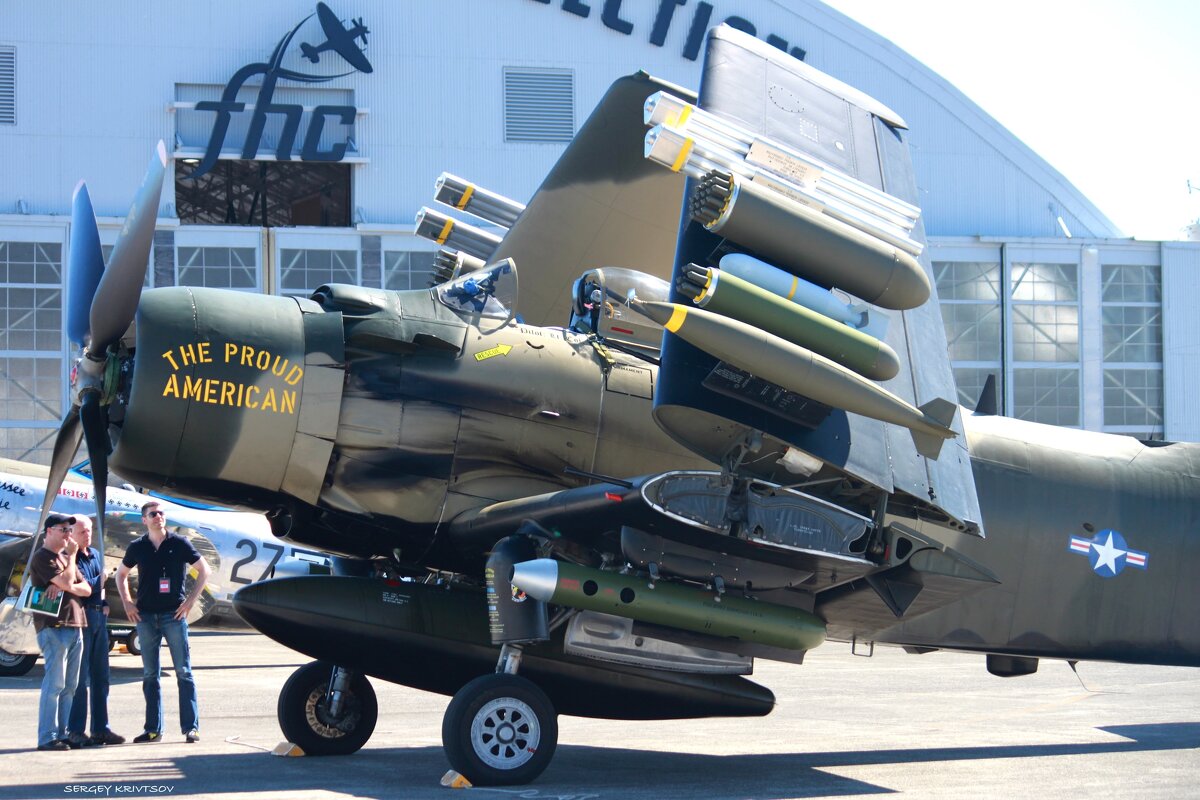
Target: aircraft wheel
500, 730
13, 664
304, 713
132, 644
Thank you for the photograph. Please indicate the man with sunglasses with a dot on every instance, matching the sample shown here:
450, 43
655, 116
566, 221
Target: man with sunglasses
162, 560
52, 567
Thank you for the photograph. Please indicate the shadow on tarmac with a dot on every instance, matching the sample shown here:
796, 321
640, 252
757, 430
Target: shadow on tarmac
576, 772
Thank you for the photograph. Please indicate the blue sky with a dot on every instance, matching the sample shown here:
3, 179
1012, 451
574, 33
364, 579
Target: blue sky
1107, 91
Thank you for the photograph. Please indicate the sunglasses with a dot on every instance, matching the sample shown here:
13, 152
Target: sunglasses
155, 514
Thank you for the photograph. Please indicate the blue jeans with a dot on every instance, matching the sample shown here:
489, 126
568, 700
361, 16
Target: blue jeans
151, 631
93, 677
61, 650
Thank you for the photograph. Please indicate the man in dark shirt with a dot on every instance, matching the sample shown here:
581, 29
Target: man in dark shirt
162, 560
52, 567
93, 670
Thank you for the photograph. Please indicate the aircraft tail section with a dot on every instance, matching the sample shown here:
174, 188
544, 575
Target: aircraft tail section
602, 204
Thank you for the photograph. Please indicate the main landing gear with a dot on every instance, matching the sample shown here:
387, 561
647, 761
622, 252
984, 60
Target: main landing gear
327, 710
500, 729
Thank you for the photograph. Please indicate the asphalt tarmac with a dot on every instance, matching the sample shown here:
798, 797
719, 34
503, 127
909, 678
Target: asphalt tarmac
934, 725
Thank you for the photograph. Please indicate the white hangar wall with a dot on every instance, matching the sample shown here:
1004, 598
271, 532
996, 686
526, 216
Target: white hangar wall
95, 87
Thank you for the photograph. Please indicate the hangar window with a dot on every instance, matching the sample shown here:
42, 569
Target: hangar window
407, 269
218, 267
1134, 397
1046, 395
302, 271
1131, 325
266, 194
31, 347
539, 105
8, 86
969, 296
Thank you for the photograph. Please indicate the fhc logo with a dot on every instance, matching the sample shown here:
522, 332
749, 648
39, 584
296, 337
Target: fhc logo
339, 39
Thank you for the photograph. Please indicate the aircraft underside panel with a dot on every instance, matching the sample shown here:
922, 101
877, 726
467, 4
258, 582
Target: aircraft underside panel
705, 403
434, 637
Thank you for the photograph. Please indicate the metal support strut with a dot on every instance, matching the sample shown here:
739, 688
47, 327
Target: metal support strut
339, 682
510, 659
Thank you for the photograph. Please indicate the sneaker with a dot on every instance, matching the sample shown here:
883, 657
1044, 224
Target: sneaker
108, 737
192, 736
146, 736
57, 744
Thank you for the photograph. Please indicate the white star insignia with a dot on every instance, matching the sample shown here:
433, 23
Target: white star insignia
1108, 554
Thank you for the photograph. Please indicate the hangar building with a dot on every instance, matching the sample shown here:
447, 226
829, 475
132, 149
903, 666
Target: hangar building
295, 166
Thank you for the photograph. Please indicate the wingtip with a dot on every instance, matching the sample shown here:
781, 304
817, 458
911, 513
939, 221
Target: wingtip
161, 151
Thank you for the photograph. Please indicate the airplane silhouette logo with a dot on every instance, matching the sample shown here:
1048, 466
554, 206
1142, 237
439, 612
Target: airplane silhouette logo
339, 39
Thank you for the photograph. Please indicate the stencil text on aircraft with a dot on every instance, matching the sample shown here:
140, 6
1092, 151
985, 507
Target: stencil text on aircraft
261, 380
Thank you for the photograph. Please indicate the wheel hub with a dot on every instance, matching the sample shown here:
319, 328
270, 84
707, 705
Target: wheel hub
316, 712
505, 733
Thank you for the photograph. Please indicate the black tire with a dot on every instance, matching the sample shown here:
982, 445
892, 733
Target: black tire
305, 722
132, 644
13, 665
500, 730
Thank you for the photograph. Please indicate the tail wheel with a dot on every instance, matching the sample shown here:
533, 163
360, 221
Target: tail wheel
133, 644
305, 718
500, 730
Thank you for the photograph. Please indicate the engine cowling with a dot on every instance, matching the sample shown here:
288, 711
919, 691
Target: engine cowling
234, 398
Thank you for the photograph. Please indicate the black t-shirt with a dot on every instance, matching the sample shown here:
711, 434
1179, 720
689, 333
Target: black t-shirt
169, 561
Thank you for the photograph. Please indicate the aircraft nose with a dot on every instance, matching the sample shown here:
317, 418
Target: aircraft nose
234, 398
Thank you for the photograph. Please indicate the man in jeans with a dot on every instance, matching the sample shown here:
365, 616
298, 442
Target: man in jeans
93, 670
162, 560
52, 567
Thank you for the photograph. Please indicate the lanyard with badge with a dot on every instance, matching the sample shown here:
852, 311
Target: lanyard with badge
164, 583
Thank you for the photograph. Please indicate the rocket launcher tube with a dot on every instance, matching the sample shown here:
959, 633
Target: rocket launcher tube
803, 241
805, 293
466, 196
802, 371
663, 108
673, 605
731, 296
453, 233
681, 153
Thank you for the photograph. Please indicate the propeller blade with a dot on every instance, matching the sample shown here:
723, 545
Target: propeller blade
120, 287
65, 445
86, 264
95, 434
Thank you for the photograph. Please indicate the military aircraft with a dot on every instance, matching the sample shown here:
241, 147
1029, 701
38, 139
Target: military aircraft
613, 519
238, 546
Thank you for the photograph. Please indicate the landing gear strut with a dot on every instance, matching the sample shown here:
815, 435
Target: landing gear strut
500, 729
327, 710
